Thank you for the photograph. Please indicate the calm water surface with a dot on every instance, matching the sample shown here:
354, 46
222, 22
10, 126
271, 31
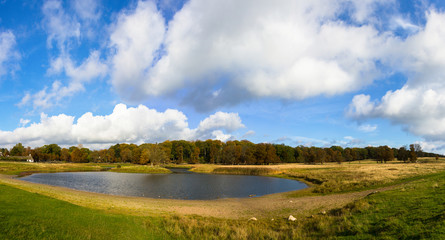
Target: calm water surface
179, 185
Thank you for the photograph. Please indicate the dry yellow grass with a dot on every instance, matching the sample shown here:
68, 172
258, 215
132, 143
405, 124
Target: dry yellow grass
344, 177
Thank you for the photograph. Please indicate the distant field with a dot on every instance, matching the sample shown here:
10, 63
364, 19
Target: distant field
17, 168
358, 200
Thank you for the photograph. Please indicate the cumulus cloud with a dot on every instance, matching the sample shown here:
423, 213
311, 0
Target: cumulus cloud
136, 38
125, 124
215, 53
433, 146
364, 10
420, 104
8, 53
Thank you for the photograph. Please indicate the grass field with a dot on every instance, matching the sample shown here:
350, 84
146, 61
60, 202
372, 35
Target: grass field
409, 204
23, 168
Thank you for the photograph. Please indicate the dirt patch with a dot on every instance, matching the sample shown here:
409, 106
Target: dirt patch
275, 205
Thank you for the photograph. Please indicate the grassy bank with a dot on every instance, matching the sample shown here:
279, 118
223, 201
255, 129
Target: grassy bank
412, 207
246, 171
24, 168
413, 210
334, 178
25, 215
140, 169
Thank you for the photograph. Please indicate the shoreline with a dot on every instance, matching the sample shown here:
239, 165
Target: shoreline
272, 205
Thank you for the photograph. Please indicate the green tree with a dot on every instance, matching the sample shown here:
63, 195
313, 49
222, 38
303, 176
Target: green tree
17, 150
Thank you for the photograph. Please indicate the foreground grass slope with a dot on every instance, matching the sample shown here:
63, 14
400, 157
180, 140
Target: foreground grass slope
412, 208
25, 215
413, 211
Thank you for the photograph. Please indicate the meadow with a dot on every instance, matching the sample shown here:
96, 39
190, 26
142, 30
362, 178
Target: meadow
352, 200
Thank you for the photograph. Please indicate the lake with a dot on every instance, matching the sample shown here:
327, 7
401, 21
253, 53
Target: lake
181, 184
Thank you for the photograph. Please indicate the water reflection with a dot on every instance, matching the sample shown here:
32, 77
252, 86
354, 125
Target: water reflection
181, 185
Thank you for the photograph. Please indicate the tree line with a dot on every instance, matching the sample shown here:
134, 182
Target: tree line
216, 152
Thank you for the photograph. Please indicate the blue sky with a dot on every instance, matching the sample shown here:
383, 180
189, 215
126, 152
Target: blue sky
346, 72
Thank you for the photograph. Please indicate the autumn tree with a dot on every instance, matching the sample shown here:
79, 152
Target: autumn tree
76, 155
65, 155
195, 155
180, 154
414, 150
403, 154
215, 149
348, 155
385, 154
157, 155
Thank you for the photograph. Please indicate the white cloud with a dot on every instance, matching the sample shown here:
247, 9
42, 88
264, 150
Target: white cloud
433, 146
367, 128
364, 10
420, 104
244, 50
23, 122
87, 10
230, 121
248, 134
400, 22
8, 53
136, 38
219, 135
132, 125
60, 26
91, 69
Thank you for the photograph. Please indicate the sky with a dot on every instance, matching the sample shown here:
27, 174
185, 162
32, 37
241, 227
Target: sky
351, 73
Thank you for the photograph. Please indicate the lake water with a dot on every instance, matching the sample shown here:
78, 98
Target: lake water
179, 185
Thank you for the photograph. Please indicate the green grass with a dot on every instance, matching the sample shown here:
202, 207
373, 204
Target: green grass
25, 168
415, 211
140, 169
245, 171
25, 215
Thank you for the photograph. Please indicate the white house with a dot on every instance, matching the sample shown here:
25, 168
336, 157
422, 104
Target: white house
30, 159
